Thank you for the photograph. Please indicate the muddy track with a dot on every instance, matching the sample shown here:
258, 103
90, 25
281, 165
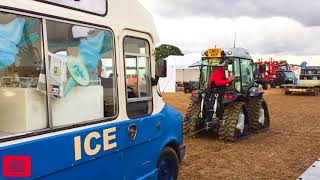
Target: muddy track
285, 151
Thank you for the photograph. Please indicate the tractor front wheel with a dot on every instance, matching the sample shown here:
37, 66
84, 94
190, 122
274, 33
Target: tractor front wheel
190, 125
235, 125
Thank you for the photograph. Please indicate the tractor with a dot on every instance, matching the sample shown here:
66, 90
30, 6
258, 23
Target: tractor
233, 112
259, 70
190, 86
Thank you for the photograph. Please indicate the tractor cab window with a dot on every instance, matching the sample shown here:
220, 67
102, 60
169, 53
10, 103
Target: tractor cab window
205, 73
204, 76
236, 67
246, 74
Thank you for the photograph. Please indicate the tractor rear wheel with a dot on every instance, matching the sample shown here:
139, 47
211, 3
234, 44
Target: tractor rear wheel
190, 125
235, 125
258, 114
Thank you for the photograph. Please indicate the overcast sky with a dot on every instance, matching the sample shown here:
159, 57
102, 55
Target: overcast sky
282, 29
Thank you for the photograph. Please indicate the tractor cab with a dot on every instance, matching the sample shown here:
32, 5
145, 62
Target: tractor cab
232, 110
242, 69
236, 62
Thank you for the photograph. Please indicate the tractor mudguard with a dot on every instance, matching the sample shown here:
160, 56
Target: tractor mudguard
255, 92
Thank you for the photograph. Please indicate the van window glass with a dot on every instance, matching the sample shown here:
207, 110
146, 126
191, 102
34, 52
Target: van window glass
82, 73
138, 74
23, 107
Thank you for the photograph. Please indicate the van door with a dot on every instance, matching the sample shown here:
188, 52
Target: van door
143, 128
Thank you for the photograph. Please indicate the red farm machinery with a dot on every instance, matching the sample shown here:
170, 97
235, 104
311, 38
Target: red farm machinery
273, 73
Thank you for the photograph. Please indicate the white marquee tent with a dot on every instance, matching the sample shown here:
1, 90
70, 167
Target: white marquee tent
178, 70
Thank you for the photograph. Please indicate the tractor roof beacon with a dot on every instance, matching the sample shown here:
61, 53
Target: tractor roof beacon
232, 112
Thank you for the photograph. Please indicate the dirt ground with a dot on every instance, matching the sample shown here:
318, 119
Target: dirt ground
285, 151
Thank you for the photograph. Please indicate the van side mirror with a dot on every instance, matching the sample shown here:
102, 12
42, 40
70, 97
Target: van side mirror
161, 68
161, 71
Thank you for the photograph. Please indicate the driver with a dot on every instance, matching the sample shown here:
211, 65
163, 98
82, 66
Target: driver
218, 77
218, 80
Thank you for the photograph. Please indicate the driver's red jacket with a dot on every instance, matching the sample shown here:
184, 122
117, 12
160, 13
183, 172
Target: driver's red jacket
218, 76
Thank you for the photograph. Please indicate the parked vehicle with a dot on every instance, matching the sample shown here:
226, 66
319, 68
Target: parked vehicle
308, 83
273, 73
190, 86
281, 78
259, 70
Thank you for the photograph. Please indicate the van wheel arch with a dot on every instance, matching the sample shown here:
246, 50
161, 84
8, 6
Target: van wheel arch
175, 146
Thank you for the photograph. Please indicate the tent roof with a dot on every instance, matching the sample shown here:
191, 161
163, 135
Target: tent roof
183, 62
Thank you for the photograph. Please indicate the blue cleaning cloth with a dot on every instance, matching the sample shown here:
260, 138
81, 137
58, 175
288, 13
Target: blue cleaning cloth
10, 37
69, 86
90, 49
30, 24
32, 38
107, 46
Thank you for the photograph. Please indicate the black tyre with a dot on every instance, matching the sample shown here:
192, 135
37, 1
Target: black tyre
235, 125
287, 93
258, 114
265, 86
190, 125
222, 130
168, 165
187, 90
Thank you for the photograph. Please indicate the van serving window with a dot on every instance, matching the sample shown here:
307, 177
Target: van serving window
23, 108
99, 7
82, 81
